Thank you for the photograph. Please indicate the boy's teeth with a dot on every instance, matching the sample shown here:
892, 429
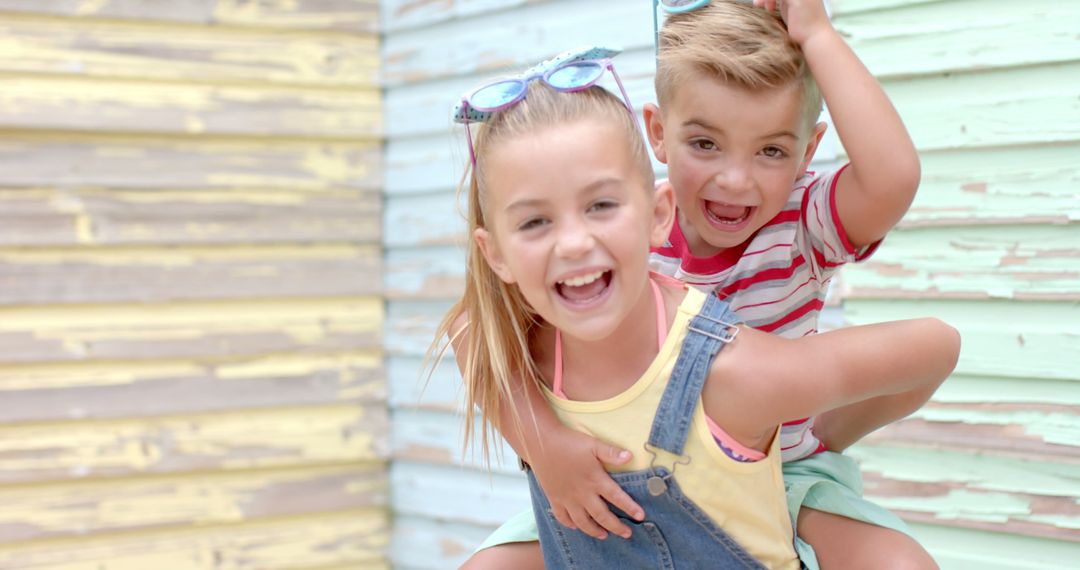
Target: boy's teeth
582, 279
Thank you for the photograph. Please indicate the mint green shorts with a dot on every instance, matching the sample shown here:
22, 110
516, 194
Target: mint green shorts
826, 481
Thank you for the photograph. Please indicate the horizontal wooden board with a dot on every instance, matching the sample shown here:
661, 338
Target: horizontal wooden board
203, 331
957, 548
1037, 105
973, 262
410, 326
974, 490
152, 275
137, 107
1036, 340
100, 390
237, 440
343, 15
198, 54
79, 216
29, 160
1026, 185
327, 541
449, 493
56, 511
425, 273
435, 545
919, 38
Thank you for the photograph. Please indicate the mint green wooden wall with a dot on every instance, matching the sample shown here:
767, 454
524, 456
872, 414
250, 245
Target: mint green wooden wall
989, 472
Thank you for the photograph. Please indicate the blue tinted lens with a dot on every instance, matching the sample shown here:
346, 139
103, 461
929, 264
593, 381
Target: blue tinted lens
575, 75
682, 5
492, 97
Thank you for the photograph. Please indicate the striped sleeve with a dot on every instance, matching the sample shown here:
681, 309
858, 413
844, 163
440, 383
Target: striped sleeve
823, 236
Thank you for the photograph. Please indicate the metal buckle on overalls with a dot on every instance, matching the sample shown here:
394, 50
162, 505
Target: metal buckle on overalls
730, 332
656, 484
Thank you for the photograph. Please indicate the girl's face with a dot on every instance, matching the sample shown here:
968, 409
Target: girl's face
570, 221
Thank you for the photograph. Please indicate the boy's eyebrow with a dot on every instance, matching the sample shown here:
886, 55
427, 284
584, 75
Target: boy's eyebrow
703, 125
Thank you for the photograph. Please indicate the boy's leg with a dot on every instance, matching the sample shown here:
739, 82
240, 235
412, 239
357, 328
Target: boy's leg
840, 428
516, 555
840, 543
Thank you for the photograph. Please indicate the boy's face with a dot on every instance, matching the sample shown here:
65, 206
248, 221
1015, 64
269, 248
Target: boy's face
732, 157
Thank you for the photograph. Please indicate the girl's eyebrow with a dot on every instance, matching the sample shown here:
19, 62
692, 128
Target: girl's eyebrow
526, 203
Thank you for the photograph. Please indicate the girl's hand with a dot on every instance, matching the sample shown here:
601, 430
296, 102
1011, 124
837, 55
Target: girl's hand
579, 488
804, 18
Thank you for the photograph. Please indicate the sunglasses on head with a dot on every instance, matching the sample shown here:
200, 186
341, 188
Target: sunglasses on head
568, 72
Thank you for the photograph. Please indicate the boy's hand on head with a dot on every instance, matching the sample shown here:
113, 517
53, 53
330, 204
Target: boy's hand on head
804, 18
579, 488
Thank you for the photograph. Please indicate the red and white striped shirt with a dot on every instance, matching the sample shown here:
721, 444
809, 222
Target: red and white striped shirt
776, 281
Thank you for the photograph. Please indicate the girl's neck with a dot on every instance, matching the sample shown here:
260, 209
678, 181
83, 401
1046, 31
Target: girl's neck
597, 370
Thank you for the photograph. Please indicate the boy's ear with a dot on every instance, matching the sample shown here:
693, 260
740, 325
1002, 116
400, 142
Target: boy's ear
811, 145
654, 127
663, 214
492, 256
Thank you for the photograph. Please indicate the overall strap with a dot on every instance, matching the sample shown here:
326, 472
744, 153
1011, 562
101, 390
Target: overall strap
708, 332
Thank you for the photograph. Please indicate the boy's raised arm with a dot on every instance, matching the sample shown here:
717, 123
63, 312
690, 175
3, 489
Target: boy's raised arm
875, 191
568, 464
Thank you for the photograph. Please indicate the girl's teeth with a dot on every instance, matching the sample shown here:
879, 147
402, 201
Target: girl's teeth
582, 280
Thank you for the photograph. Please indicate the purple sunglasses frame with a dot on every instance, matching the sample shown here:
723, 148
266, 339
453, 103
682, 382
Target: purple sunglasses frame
525, 79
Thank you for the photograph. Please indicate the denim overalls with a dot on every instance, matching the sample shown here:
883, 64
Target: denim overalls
675, 533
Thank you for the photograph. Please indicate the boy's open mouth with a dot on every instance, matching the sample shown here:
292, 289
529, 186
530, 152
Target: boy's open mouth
727, 216
583, 289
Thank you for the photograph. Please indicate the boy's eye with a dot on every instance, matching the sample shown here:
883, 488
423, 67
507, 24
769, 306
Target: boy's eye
602, 205
773, 152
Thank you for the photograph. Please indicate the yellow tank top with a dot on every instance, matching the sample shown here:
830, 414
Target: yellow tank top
747, 500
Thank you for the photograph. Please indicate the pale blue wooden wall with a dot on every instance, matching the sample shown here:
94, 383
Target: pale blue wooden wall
989, 473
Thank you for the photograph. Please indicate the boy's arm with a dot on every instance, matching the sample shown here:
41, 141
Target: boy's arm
763, 380
568, 464
875, 191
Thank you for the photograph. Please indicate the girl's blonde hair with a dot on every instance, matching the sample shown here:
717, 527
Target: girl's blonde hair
738, 44
498, 321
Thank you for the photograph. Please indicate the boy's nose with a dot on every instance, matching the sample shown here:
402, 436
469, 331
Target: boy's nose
734, 177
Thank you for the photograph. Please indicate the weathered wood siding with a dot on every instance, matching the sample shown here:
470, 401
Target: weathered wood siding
191, 373
987, 473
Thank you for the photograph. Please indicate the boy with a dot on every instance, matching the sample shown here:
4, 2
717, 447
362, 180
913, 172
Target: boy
737, 127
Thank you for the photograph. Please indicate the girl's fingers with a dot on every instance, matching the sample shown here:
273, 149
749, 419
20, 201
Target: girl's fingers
587, 525
607, 519
615, 495
563, 517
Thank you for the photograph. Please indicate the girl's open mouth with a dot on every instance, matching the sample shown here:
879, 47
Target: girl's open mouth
584, 289
727, 217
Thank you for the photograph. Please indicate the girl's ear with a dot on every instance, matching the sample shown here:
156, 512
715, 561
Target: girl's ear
654, 127
492, 256
663, 214
812, 144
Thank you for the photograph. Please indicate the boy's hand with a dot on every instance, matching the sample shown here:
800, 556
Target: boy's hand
804, 18
577, 485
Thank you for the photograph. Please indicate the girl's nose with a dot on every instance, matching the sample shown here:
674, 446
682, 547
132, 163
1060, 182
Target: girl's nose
575, 240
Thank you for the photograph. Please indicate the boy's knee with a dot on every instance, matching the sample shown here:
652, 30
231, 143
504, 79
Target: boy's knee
906, 554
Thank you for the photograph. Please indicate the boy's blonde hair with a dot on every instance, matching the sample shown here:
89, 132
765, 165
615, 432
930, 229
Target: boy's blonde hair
500, 323
738, 44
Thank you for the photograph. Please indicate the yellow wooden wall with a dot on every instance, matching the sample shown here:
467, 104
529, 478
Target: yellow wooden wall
190, 274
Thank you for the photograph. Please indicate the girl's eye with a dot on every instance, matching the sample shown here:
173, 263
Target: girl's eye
531, 223
773, 152
703, 144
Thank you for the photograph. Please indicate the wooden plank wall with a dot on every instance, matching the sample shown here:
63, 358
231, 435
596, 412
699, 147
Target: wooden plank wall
190, 286
987, 472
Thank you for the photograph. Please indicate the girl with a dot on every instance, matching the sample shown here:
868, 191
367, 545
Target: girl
562, 212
